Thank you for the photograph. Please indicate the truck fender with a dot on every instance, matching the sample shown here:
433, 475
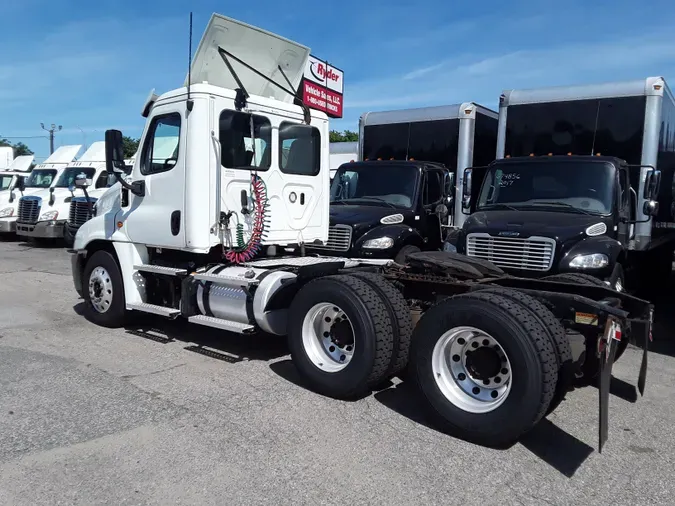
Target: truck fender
600, 244
400, 233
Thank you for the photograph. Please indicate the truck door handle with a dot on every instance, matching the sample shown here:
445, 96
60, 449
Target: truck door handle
175, 222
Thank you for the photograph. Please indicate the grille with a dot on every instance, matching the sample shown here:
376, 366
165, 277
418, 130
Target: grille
339, 238
79, 211
532, 254
29, 209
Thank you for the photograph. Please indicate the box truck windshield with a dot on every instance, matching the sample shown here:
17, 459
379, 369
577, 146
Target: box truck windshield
581, 187
389, 185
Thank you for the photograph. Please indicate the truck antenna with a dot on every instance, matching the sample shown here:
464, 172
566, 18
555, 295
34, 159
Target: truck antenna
190, 103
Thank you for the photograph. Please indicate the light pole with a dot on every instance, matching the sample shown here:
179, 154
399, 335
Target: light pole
51, 135
84, 138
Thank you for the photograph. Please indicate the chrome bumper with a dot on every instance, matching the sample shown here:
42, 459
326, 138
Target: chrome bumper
43, 229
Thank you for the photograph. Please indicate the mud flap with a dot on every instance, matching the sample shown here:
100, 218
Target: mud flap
607, 346
642, 378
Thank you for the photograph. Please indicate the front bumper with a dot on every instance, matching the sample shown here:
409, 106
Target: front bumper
52, 229
7, 225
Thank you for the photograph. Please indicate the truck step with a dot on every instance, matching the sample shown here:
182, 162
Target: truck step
160, 269
226, 280
210, 321
169, 312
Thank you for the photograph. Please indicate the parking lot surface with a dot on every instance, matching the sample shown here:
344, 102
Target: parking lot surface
169, 413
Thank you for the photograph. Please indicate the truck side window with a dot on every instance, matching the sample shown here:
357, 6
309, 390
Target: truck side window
237, 145
160, 152
433, 188
299, 149
102, 181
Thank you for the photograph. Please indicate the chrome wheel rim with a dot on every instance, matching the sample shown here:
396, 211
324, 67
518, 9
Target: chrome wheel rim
471, 369
328, 337
100, 289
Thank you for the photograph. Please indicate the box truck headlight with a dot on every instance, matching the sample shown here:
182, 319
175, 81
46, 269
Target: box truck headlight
379, 243
49, 215
7, 212
594, 261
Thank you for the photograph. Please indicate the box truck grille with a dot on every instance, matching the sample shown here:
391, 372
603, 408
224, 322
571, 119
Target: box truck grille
532, 254
339, 238
29, 209
79, 211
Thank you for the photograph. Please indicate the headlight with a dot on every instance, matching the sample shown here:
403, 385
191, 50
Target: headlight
379, 243
49, 215
6, 212
594, 261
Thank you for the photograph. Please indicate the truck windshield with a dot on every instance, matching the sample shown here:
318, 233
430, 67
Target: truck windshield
381, 185
41, 178
70, 174
584, 187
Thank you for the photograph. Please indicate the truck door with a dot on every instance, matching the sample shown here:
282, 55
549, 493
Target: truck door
432, 195
157, 218
626, 205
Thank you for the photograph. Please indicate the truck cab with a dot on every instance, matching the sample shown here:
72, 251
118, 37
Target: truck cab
537, 216
41, 178
50, 222
388, 209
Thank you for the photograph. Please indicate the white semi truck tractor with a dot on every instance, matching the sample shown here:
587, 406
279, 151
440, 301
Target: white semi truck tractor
214, 231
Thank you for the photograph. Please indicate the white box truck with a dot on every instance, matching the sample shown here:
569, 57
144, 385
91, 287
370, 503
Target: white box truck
213, 231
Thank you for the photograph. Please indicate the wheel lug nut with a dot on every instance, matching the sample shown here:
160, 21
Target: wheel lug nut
505, 371
461, 376
485, 342
476, 390
494, 394
455, 358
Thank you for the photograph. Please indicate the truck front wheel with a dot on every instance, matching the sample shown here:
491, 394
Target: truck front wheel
103, 291
340, 334
486, 367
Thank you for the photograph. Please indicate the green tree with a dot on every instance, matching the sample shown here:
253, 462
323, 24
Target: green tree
344, 136
20, 148
130, 146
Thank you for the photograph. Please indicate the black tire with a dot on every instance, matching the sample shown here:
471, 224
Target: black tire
404, 252
115, 315
528, 347
557, 335
399, 312
68, 237
371, 325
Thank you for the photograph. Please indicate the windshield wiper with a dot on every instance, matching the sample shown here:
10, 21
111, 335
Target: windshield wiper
563, 204
498, 205
378, 199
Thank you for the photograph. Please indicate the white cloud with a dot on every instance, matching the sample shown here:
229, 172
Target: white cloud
483, 78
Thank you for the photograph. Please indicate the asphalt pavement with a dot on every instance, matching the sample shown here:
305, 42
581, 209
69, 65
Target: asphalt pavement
177, 414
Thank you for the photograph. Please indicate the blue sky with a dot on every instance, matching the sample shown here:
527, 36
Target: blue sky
89, 65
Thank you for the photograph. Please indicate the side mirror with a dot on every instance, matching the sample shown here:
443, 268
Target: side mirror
651, 208
20, 184
466, 192
82, 182
652, 184
442, 211
114, 152
51, 196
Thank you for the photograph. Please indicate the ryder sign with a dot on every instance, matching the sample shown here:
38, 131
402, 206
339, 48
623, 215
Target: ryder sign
322, 87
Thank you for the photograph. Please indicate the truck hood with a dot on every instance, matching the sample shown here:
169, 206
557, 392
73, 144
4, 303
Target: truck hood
561, 226
359, 215
4, 196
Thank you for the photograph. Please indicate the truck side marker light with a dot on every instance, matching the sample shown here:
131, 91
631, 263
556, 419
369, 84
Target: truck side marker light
657, 87
119, 224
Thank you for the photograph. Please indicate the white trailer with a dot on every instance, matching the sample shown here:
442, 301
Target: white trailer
342, 152
6, 157
42, 177
214, 232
